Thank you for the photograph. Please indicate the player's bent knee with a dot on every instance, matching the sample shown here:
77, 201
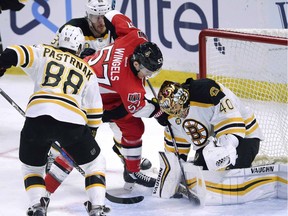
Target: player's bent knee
97, 165
27, 169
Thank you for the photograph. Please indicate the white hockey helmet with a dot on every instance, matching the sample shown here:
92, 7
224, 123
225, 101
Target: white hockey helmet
72, 38
97, 7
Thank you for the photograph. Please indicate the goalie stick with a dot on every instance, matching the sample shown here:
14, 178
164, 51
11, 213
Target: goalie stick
111, 198
193, 198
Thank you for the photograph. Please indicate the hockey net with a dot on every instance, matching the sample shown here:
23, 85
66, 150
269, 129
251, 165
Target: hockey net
253, 64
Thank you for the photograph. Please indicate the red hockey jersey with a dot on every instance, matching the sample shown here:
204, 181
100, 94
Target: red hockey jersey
118, 84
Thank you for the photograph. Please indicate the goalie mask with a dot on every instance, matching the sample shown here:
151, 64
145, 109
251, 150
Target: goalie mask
174, 99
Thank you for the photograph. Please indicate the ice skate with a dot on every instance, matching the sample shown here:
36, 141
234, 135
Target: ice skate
39, 209
96, 210
138, 178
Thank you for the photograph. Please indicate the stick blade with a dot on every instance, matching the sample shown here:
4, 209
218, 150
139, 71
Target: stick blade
192, 197
124, 200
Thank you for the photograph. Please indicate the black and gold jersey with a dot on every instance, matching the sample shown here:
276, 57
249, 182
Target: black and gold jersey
214, 111
91, 41
65, 86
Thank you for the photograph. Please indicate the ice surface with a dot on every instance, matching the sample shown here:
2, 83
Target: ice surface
69, 198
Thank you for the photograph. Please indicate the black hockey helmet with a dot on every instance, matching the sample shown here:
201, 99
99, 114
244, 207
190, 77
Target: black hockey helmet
149, 55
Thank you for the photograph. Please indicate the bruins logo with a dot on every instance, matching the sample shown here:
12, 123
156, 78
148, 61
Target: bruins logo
196, 131
214, 91
178, 121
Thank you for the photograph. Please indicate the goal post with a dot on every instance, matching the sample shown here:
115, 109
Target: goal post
253, 64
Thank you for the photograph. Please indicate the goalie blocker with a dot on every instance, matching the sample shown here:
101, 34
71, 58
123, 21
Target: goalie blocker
233, 186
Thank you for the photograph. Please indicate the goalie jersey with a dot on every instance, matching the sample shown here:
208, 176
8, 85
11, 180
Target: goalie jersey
65, 87
214, 111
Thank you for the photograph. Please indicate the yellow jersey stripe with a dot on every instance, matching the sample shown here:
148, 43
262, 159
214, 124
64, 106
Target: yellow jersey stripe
252, 129
199, 104
238, 131
228, 121
31, 54
21, 53
60, 103
177, 139
181, 150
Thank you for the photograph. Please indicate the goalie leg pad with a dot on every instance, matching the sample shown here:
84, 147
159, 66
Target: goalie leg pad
169, 176
195, 181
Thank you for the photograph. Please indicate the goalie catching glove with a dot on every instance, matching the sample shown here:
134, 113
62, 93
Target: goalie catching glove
220, 153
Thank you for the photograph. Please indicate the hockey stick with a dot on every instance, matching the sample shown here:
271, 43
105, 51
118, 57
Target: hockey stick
111, 198
12, 102
193, 198
120, 200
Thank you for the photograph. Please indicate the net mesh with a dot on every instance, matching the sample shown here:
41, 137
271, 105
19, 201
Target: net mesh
257, 73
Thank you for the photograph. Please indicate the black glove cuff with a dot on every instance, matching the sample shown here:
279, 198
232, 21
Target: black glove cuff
87, 52
162, 119
2, 71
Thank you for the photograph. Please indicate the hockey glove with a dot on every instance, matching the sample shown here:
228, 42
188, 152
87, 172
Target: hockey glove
2, 71
162, 118
87, 52
158, 114
13, 5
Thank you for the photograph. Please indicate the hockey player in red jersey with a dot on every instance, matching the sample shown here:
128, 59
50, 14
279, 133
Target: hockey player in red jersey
96, 36
122, 68
66, 107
